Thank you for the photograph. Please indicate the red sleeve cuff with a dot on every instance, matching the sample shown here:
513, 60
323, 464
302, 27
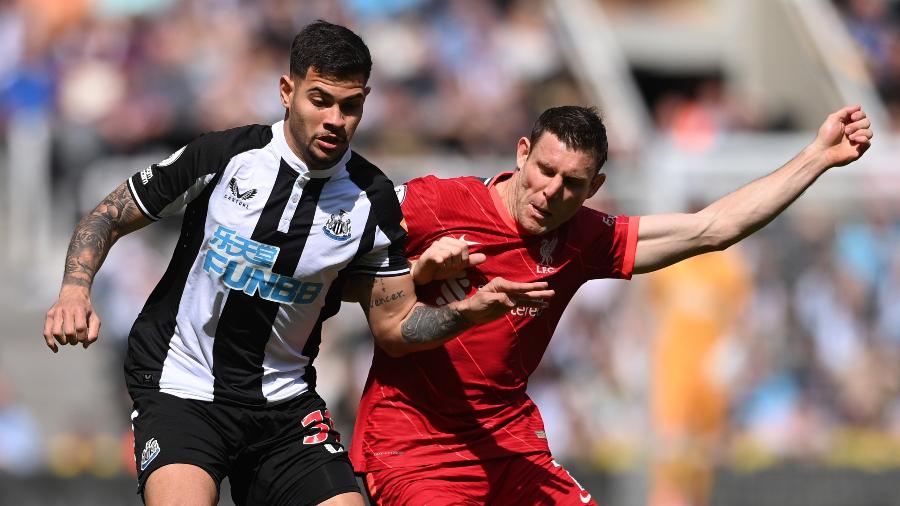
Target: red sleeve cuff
630, 246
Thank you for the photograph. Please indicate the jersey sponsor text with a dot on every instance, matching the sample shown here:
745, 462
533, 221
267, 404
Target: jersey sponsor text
245, 265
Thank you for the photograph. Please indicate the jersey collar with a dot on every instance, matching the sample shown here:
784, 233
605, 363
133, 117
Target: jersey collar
501, 209
294, 161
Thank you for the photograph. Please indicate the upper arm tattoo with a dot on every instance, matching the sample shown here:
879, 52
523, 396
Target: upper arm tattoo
379, 293
382, 300
95, 234
427, 323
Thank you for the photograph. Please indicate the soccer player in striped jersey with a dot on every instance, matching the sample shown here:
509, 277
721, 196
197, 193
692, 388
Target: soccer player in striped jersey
454, 425
278, 220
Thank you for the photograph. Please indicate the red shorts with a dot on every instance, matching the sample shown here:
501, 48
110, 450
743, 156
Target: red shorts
522, 479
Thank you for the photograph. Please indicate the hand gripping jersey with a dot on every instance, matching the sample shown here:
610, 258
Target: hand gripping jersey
264, 247
466, 400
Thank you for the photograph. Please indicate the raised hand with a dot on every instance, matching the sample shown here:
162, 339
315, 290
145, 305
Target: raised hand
444, 259
494, 299
844, 136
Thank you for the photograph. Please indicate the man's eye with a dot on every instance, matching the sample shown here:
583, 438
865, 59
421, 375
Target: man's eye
351, 107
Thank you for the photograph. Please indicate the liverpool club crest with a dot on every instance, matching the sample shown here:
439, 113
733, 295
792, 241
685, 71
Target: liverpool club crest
547, 248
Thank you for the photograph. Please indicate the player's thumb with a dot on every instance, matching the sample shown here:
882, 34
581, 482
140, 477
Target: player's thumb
477, 258
495, 285
93, 331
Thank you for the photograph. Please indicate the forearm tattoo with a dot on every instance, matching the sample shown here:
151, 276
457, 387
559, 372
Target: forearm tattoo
428, 324
96, 233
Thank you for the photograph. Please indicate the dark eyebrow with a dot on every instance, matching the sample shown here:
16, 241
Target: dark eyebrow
548, 168
544, 166
323, 92
316, 89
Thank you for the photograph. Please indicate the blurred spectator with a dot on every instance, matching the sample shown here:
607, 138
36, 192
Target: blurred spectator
20, 444
700, 304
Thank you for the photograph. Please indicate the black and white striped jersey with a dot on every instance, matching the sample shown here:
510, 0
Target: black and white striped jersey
264, 248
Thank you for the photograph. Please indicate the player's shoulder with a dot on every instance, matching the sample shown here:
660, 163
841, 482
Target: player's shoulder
438, 184
367, 176
238, 139
432, 190
592, 220
359, 163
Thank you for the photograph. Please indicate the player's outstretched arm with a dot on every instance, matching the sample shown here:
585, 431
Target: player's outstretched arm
72, 320
669, 238
403, 325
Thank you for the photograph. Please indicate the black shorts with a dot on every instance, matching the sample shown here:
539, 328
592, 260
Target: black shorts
285, 454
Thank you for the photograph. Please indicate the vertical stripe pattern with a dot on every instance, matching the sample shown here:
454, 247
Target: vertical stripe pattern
265, 247
248, 319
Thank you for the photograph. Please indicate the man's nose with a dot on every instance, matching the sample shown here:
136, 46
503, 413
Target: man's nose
335, 118
553, 188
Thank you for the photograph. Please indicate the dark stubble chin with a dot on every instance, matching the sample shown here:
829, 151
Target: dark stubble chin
322, 161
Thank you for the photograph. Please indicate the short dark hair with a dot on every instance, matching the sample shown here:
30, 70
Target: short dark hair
579, 128
332, 50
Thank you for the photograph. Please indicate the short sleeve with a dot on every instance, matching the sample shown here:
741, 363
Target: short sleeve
164, 188
382, 251
611, 244
387, 257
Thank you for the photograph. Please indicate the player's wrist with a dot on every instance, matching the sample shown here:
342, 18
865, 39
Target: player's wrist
465, 311
75, 287
814, 158
415, 268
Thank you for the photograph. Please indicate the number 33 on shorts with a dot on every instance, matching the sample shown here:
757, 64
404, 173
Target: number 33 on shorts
319, 424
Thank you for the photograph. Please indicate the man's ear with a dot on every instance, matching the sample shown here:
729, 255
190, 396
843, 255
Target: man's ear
522, 150
286, 89
596, 183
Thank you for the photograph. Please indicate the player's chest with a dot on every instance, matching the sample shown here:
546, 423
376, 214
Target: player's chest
533, 260
301, 227
530, 259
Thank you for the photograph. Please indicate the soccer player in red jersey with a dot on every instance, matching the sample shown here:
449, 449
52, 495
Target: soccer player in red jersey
453, 424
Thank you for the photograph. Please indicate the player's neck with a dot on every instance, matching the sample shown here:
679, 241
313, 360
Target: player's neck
507, 188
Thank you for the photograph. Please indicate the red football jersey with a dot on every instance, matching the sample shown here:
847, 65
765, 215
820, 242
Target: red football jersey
466, 400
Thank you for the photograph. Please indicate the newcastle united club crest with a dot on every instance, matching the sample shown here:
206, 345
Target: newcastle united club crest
338, 226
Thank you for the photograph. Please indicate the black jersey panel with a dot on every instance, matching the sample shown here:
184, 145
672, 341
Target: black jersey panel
385, 213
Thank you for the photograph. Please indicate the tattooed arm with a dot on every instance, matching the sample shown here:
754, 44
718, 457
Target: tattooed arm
72, 319
401, 324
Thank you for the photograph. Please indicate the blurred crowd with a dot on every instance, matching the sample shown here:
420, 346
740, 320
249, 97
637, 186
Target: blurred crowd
875, 25
463, 75
803, 363
456, 76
